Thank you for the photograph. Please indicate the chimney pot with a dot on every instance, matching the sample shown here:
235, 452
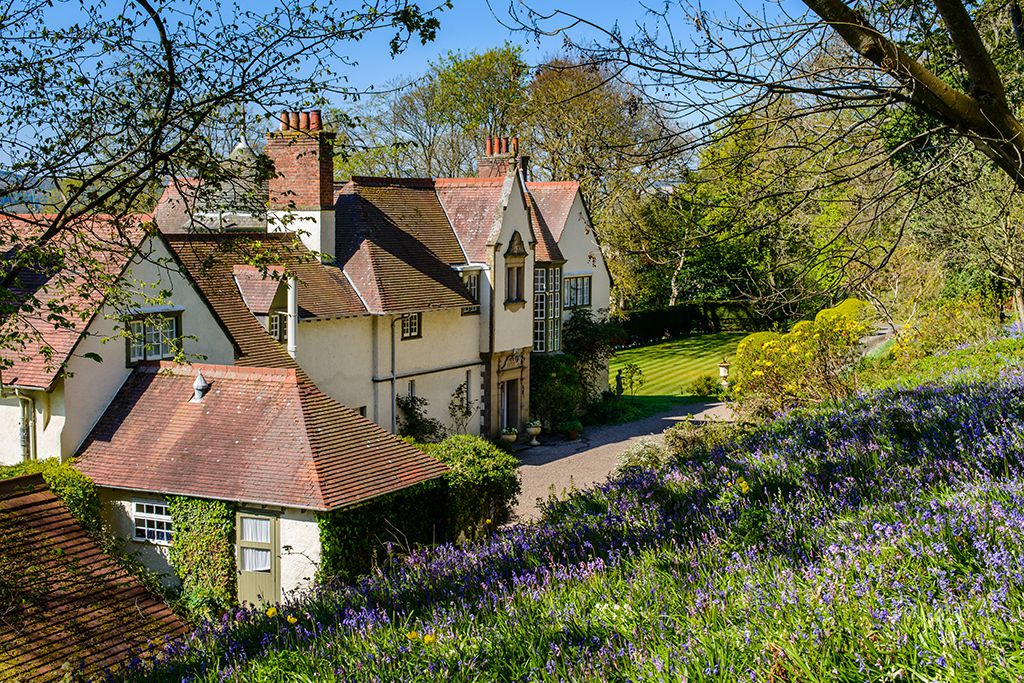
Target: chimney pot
515, 145
488, 147
293, 120
284, 120
199, 388
315, 121
303, 120
504, 145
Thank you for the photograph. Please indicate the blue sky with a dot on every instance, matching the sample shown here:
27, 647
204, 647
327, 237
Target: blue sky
471, 25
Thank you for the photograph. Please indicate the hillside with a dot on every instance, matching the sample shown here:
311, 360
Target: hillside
879, 539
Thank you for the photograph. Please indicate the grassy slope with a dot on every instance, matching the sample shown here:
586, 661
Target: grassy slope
878, 541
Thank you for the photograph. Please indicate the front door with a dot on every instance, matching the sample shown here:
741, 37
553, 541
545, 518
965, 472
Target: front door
259, 565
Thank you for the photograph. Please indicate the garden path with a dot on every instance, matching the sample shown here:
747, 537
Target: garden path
591, 458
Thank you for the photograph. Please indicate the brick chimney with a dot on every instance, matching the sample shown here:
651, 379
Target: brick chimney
500, 155
302, 189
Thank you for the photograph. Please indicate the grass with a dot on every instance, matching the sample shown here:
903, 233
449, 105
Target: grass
671, 367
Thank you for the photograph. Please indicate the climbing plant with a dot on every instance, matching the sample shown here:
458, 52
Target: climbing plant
203, 553
353, 540
76, 491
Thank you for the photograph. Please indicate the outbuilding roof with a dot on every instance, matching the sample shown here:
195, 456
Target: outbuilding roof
66, 603
258, 435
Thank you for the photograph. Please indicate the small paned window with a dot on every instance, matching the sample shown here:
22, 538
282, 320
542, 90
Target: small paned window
577, 291
255, 555
412, 325
153, 338
279, 327
152, 522
472, 282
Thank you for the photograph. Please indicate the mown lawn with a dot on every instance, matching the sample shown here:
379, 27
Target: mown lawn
670, 367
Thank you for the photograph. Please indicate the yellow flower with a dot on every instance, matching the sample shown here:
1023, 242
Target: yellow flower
413, 635
743, 486
429, 639
758, 373
292, 620
272, 612
487, 521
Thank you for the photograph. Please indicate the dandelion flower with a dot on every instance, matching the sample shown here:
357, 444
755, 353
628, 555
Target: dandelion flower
413, 635
487, 521
292, 620
272, 612
429, 639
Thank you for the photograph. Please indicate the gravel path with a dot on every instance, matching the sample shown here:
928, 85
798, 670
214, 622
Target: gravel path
591, 458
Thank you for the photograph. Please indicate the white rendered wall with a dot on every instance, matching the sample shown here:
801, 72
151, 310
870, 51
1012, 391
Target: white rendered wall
316, 228
116, 507
49, 424
299, 536
338, 356
583, 256
513, 328
437, 361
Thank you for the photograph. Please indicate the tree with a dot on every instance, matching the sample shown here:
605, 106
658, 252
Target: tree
103, 102
942, 74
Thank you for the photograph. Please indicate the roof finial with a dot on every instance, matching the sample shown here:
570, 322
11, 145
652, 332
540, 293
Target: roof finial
199, 388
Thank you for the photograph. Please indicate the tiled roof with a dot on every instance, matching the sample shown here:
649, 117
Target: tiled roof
397, 246
473, 206
211, 259
555, 200
64, 599
258, 288
260, 435
47, 345
185, 206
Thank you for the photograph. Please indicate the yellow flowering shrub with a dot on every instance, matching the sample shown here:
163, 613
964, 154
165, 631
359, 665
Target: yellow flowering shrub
810, 363
945, 326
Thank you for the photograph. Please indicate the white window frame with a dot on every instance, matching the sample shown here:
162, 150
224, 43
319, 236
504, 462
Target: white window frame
155, 337
472, 281
412, 326
155, 517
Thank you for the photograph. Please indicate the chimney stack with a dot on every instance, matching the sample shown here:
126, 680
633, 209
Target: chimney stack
500, 155
302, 189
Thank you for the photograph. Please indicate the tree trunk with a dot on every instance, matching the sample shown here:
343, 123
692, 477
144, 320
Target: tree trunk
1018, 301
677, 286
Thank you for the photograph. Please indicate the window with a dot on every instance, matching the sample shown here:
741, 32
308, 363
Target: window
411, 325
577, 291
412, 388
514, 284
547, 309
279, 327
255, 544
153, 337
472, 282
152, 522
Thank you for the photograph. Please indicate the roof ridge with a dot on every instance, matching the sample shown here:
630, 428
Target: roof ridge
219, 371
379, 181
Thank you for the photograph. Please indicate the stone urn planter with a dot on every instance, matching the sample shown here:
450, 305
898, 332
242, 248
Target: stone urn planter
509, 435
534, 430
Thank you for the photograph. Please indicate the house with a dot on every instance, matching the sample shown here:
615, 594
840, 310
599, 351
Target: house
69, 609
263, 438
461, 279
114, 391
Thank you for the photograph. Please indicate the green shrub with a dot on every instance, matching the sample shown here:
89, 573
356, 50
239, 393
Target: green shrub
483, 483
693, 441
75, 490
811, 363
354, 540
592, 341
555, 393
414, 422
644, 454
944, 326
705, 385
203, 554
571, 426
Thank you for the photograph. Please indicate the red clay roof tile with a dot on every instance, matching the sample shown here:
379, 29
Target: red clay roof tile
74, 602
259, 435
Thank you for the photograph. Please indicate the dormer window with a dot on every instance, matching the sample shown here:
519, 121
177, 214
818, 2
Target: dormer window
153, 337
278, 327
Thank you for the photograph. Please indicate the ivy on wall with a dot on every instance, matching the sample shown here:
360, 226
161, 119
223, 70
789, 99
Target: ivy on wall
203, 553
353, 540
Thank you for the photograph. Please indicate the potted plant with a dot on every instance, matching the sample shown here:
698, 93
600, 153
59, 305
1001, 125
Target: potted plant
533, 428
509, 434
572, 428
